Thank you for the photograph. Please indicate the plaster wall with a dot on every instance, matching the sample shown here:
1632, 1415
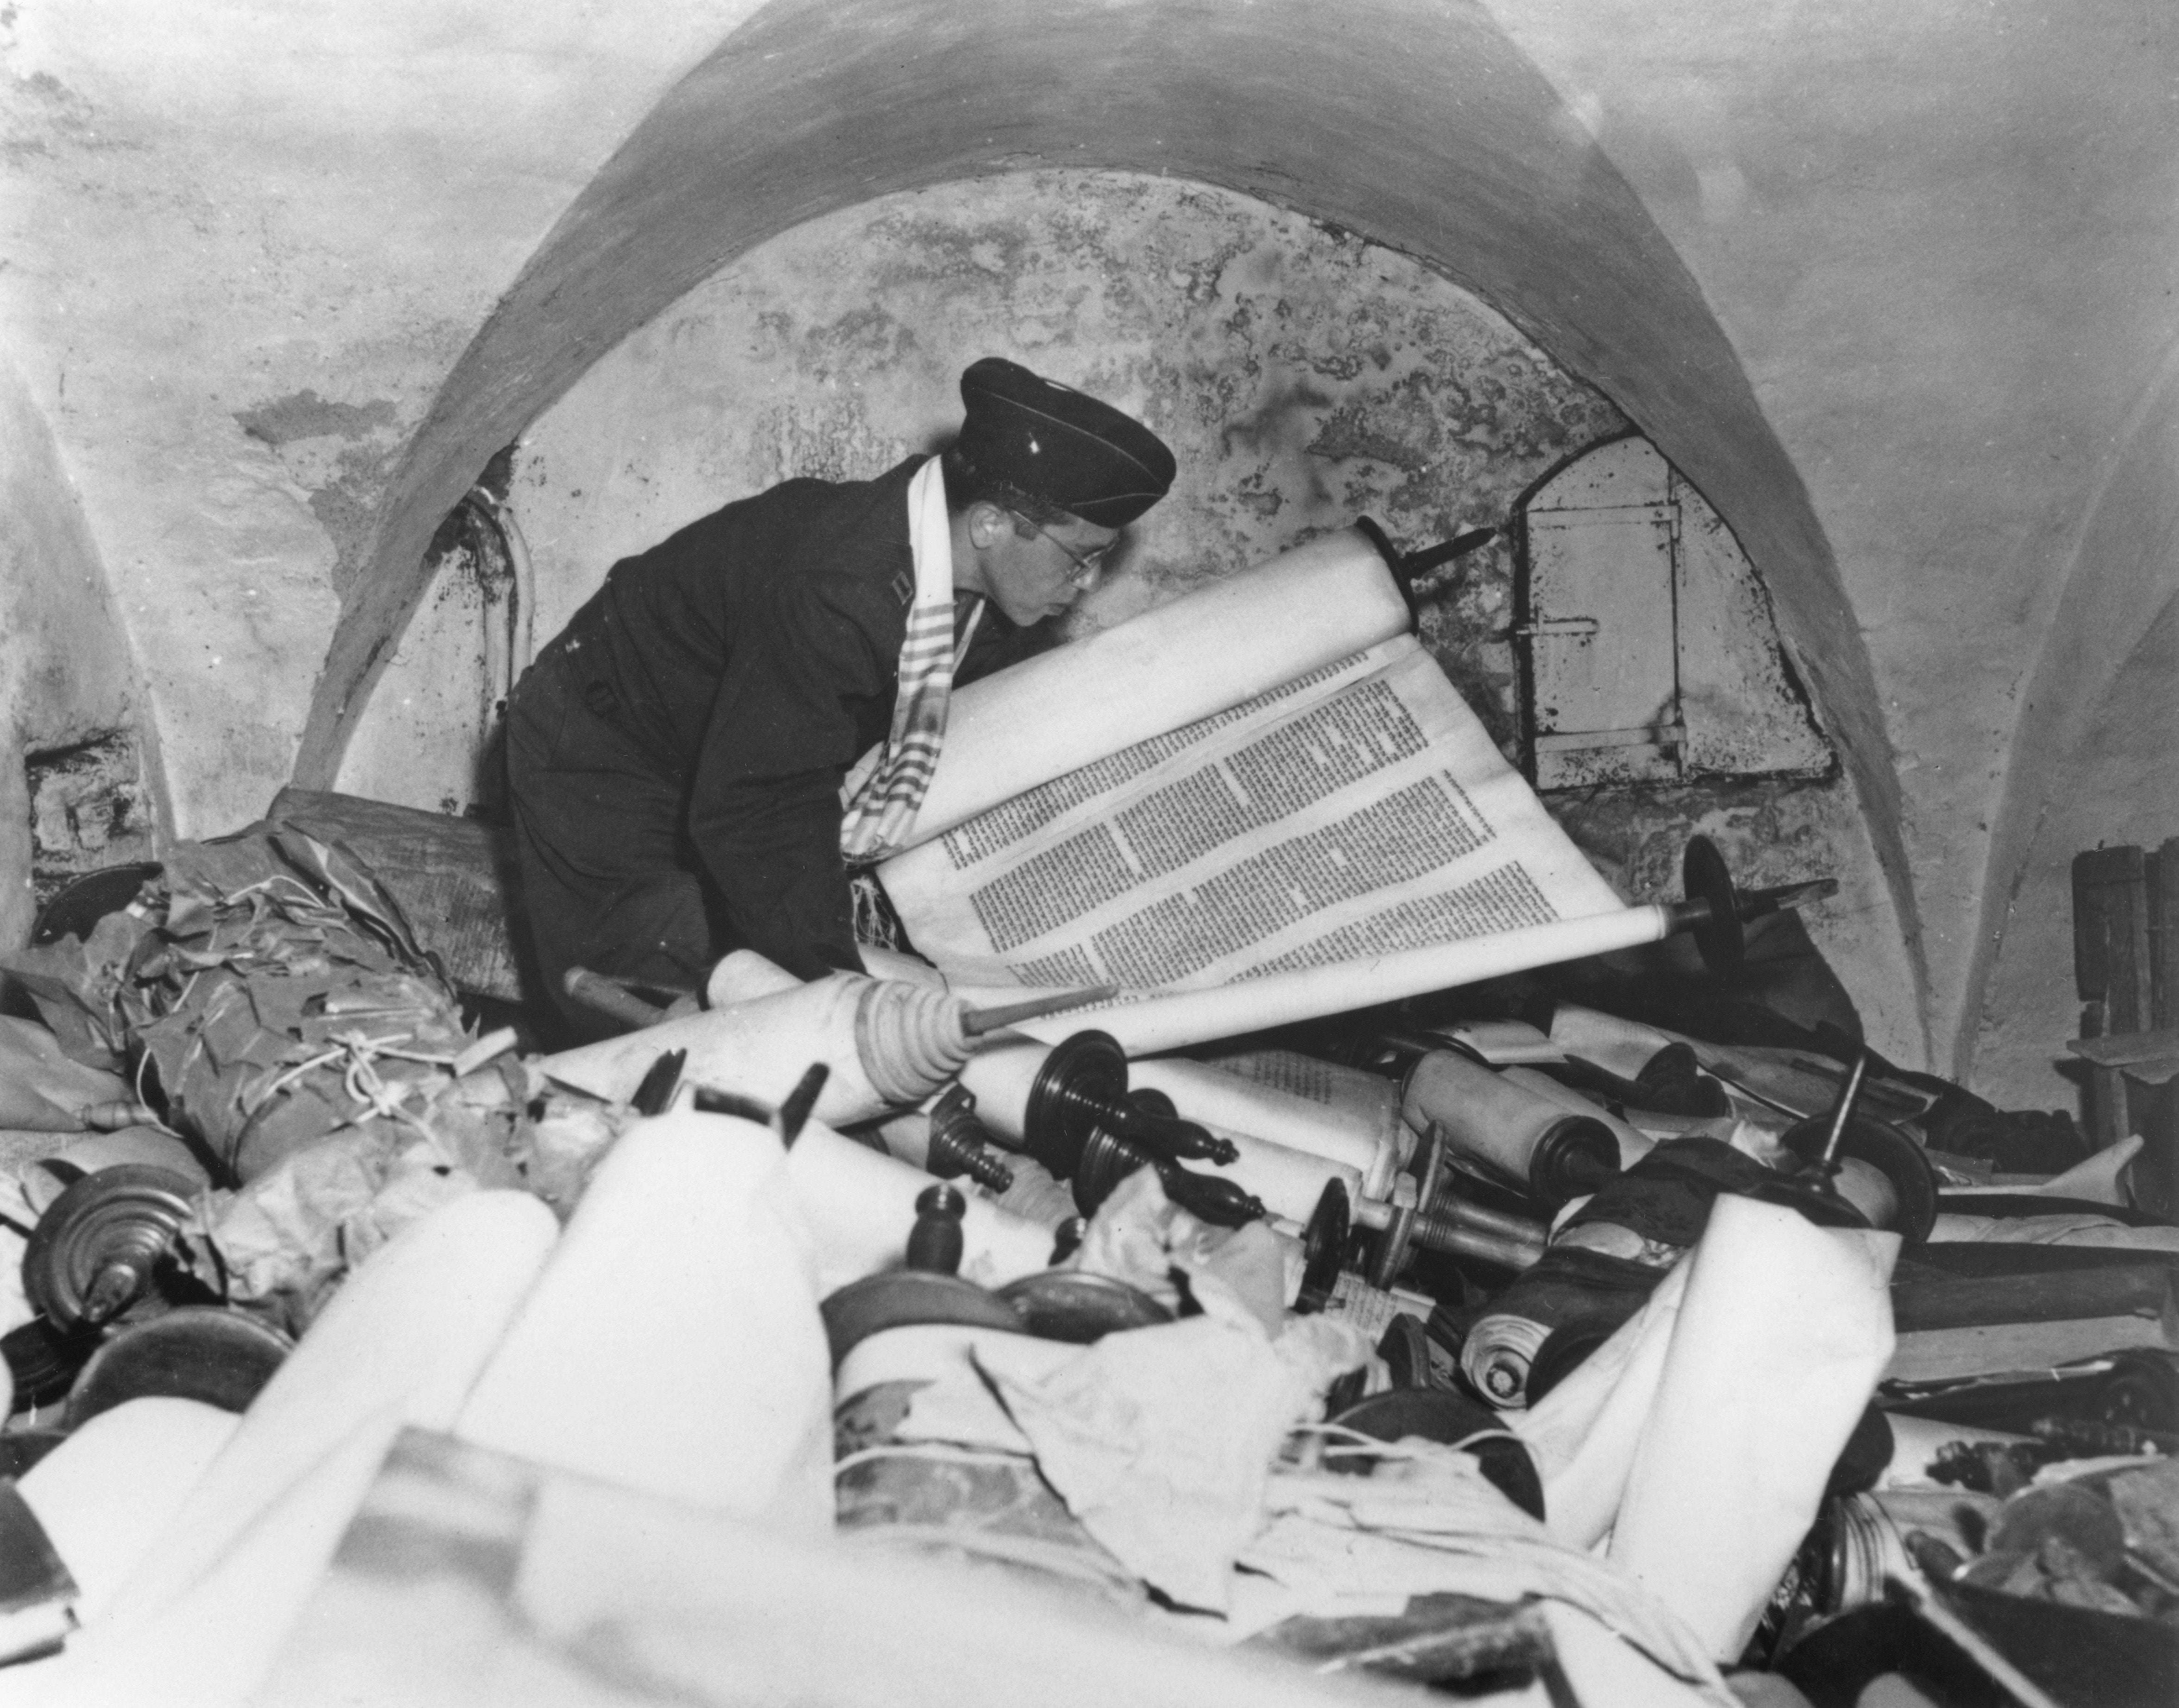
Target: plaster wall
245, 241
65, 673
1303, 377
2094, 762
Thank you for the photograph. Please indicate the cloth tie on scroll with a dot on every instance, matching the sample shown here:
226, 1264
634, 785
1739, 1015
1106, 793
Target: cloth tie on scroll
882, 793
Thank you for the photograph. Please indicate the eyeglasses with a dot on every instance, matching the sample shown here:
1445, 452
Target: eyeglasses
1086, 564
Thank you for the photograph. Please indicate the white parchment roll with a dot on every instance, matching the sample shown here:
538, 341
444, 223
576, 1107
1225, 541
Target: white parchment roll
672, 1344
859, 1204
1584, 1431
1500, 1125
1633, 1144
1785, 1329
1220, 1099
405, 1337
1289, 1182
198, 1621
1621, 1046
742, 975
1157, 1024
759, 1047
1000, 1077
106, 1493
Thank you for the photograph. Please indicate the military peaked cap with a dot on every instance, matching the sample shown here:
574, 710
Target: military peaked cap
1060, 444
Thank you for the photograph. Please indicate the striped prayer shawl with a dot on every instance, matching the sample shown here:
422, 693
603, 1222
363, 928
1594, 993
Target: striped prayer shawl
884, 791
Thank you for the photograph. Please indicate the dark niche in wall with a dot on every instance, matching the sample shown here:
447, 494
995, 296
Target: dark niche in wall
89, 809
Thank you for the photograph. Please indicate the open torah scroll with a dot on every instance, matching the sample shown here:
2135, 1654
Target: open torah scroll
1281, 783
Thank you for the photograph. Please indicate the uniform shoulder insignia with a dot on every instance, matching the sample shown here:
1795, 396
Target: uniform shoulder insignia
903, 587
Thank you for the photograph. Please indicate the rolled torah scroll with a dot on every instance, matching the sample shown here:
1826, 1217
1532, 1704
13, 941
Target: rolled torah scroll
1289, 1182
1151, 1024
1584, 1431
1571, 1290
859, 1204
105, 1494
887, 1044
742, 976
1236, 638
1000, 1077
1508, 1130
1617, 1046
214, 1642
1869, 1189
1368, 1100
919, 1381
879, 962
1633, 1144
906, 1136
671, 1344
1502, 1043
1782, 1338
942, 1136
402, 1342
1219, 1099
884, 1376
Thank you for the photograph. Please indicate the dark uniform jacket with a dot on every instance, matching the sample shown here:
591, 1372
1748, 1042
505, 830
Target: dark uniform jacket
741, 667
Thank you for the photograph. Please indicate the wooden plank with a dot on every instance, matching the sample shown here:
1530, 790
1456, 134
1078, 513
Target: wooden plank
2154, 1111
2108, 1123
2163, 936
2151, 1055
2127, 1077
2141, 1288
2110, 934
1945, 1261
1940, 1354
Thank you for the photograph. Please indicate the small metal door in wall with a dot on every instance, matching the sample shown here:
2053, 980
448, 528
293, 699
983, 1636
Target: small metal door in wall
1647, 650
1603, 657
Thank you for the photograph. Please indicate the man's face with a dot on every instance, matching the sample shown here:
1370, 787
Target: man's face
1033, 570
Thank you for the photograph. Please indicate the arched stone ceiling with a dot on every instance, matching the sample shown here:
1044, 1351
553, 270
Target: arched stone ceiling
1415, 122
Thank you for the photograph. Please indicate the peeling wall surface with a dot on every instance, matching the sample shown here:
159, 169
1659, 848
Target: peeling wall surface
1303, 377
245, 242
66, 678
1892, 287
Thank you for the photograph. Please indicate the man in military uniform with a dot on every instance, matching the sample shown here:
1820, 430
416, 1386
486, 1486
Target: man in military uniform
679, 757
